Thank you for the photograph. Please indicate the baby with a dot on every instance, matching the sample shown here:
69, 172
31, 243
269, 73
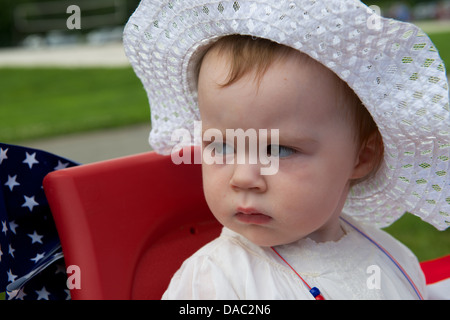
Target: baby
327, 141
296, 233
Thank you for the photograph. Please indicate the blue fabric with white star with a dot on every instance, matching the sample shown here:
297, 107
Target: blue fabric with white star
31, 260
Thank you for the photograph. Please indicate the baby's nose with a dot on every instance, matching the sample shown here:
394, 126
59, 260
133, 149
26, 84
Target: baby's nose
248, 177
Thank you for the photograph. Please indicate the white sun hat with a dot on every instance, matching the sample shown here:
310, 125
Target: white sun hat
392, 66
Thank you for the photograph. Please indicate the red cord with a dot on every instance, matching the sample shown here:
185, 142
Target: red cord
314, 291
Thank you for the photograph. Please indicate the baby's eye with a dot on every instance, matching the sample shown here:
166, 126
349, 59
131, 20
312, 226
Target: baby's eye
223, 148
279, 151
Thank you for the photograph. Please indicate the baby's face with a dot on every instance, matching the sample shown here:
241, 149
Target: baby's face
317, 152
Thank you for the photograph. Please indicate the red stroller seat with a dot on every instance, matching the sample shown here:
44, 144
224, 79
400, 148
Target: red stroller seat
129, 223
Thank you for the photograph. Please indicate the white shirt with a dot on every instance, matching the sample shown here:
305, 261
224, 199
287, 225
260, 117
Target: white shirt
232, 267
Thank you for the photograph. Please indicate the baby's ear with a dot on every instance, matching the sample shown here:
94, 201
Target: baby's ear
369, 157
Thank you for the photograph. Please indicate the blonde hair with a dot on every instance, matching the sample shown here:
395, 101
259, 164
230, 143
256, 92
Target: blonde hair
249, 53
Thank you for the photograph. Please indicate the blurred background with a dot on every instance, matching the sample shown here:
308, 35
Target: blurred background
34, 23
71, 91
63, 74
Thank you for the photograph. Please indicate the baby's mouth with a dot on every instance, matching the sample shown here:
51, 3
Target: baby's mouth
252, 216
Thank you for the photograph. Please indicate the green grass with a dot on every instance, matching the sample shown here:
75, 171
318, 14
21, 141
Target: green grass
43, 102
422, 238
442, 43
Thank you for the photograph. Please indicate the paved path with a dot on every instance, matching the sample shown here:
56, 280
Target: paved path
108, 55
434, 26
98, 145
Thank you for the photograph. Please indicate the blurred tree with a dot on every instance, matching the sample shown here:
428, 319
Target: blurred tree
10, 36
384, 3
6, 22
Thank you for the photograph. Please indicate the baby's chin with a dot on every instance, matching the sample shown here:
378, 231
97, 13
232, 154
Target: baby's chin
264, 238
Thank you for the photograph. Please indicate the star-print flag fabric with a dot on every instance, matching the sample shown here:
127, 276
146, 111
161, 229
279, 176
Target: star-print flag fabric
31, 259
